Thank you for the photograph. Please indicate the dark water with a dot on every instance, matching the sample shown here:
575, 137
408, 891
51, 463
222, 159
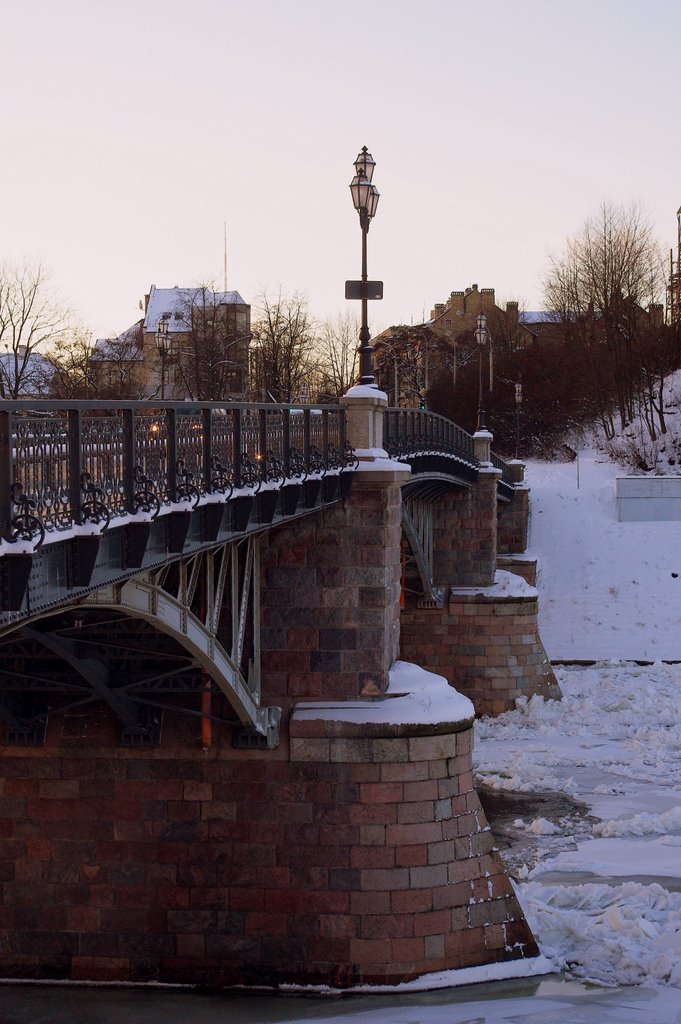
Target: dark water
542, 1001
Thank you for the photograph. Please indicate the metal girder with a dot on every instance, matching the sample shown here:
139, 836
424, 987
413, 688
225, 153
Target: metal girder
417, 522
196, 628
24, 722
91, 670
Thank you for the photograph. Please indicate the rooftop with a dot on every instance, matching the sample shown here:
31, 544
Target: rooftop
178, 302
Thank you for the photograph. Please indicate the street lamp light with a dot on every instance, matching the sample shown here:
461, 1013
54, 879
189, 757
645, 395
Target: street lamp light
481, 338
162, 344
518, 403
365, 198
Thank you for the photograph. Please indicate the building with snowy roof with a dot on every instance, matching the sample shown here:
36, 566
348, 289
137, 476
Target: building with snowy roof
192, 343
24, 373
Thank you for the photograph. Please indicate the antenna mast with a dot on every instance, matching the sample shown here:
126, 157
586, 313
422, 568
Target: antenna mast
675, 276
225, 254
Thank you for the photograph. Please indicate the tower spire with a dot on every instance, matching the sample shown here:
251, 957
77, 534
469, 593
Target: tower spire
225, 252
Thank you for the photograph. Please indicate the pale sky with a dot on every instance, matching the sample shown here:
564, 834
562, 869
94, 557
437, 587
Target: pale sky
133, 128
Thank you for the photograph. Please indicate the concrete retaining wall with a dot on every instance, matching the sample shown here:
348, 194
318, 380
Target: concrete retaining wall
648, 499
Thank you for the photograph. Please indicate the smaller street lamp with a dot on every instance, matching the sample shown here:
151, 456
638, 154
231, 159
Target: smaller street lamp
518, 403
162, 344
481, 338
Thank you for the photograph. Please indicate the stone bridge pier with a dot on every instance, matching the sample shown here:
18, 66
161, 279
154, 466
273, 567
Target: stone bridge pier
380, 863
354, 852
484, 639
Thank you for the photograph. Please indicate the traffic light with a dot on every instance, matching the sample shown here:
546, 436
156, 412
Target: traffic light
422, 399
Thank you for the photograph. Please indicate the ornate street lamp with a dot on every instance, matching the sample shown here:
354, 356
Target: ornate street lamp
481, 338
162, 344
365, 198
518, 403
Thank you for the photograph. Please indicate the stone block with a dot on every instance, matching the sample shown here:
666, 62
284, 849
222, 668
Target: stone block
387, 879
412, 901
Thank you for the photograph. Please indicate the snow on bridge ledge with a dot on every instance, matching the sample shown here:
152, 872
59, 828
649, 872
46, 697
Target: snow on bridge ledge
506, 585
414, 697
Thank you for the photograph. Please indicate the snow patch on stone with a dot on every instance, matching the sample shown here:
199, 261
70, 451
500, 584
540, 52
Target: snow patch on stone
414, 697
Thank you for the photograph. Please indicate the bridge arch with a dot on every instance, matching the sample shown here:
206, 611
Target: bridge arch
204, 590
143, 598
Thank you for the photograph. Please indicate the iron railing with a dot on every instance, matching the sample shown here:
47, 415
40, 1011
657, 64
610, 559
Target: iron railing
506, 474
72, 464
411, 431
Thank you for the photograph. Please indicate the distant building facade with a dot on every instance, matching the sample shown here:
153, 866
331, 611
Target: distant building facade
510, 327
192, 343
24, 373
407, 358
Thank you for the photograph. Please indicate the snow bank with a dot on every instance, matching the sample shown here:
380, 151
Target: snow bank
626, 718
624, 934
606, 589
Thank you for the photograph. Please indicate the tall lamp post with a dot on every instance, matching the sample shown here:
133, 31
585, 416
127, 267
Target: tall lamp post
518, 403
481, 338
162, 346
365, 198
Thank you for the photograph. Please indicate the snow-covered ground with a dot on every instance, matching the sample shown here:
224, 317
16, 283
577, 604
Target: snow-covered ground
607, 589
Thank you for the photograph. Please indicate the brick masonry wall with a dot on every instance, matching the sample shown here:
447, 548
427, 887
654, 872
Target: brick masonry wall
489, 648
465, 534
337, 858
513, 521
330, 599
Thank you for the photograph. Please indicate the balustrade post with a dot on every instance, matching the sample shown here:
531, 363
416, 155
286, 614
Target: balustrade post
286, 442
129, 459
325, 436
171, 434
343, 432
307, 436
207, 422
262, 444
392, 428
5, 474
75, 465
238, 444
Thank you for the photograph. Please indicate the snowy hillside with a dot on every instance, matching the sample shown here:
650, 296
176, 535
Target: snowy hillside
606, 589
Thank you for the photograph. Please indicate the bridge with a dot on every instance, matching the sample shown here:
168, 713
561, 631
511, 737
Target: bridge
215, 767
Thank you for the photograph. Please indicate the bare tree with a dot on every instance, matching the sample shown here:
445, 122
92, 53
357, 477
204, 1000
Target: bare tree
30, 316
337, 351
210, 355
607, 288
284, 360
70, 358
407, 360
117, 365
